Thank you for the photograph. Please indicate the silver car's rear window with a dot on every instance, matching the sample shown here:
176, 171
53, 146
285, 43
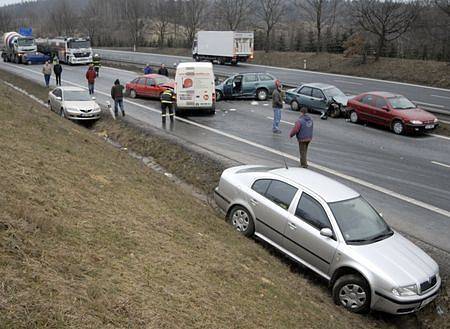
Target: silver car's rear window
256, 169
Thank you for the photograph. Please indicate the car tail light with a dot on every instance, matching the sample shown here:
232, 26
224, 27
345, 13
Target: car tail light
214, 97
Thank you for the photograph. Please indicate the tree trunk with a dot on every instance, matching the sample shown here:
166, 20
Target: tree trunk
267, 43
380, 48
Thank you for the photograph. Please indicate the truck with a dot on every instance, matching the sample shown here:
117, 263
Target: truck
16, 46
69, 50
223, 46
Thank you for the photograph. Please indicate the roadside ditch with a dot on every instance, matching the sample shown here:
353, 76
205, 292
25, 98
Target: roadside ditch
197, 171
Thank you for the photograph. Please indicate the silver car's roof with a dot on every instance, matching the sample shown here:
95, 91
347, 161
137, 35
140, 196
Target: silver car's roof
327, 188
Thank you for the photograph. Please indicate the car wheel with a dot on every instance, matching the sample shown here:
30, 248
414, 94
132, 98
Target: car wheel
261, 94
242, 221
133, 93
62, 114
28, 62
398, 127
352, 292
295, 106
219, 96
354, 117
50, 105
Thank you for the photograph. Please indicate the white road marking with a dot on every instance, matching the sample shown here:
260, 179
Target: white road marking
443, 121
440, 164
446, 97
429, 104
349, 82
120, 70
286, 122
440, 136
356, 180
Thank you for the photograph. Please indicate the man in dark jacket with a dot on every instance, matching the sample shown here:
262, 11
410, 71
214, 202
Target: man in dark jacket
163, 70
90, 77
277, 105
303, 130
117, 96
57, 68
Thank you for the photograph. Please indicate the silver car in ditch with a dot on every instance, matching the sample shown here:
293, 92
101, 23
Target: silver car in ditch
73, 103
332, 230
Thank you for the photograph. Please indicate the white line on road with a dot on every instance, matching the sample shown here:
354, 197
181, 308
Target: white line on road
440, 136
446, 97
286, 122
429, 104
356, 180
441, 164
349, 82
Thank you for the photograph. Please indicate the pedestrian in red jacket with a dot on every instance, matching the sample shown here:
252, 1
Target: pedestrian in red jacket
91, 75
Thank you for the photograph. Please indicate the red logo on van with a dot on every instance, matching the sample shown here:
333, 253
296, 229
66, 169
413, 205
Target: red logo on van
205, 97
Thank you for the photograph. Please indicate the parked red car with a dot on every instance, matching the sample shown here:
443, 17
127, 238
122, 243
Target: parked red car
150, 85
390, 110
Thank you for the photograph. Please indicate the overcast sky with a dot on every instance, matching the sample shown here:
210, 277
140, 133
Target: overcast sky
7, 2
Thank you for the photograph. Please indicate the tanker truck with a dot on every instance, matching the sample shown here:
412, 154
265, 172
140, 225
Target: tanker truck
16, 46
67, 49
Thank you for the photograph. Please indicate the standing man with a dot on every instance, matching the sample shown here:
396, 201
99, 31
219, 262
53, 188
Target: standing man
163, 70
167, 100
57, 68
96, 60
47, 71
303, 130
148, 69
90, 77
117, 96
277, 105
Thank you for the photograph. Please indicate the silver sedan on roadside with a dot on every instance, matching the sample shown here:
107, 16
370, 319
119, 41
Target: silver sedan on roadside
73, 103
335, 232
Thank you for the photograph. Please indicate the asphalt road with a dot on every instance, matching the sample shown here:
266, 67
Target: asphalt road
406, 178
435, 99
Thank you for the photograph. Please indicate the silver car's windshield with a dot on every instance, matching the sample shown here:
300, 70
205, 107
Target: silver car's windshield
359, 222
74, 96
401, 103
332, 92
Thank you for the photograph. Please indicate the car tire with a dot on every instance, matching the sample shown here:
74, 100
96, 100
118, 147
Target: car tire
28, 62
50, 106
133, 93
219, 96
398, 127
354, 117
262, 94
62, 114
295, 106
242, 221
352, 292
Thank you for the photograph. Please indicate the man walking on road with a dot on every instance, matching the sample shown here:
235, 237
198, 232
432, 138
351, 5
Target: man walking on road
47, 71
57, 68
167, 100
163, 70
277, 105
303, 130
117, 96
90, 77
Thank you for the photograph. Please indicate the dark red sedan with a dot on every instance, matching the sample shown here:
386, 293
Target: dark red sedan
150, 85
393, 111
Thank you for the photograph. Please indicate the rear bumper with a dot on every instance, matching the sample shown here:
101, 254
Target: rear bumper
221, 200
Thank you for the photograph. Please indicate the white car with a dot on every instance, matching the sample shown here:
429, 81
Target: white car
73, 103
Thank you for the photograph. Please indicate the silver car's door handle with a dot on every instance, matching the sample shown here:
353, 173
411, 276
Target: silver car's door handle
253, 202
292, 226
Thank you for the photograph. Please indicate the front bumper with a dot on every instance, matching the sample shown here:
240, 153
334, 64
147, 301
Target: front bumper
395, 305
83, 116
80, 60
420, 129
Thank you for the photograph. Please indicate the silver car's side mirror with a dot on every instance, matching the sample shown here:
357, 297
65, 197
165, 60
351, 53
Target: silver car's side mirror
326, 232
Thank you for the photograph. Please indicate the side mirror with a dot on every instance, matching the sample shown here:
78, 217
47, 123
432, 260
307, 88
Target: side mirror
93, 98
326, 232
386, 108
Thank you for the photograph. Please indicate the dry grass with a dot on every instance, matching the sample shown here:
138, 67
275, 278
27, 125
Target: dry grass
90, 238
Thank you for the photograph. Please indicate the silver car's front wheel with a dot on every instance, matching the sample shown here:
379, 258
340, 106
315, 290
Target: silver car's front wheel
352, 292
242, 221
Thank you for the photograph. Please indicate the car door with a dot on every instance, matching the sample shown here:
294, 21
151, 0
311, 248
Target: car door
304, 96
141, 87
228, 88
151, 88
318, 100
365, 108
249, 84
302, 235
382, 113
237, 86
270, 200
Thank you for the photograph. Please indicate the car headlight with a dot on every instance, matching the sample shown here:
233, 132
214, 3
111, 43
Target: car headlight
416, 122
410, 290
435, 120
72, 110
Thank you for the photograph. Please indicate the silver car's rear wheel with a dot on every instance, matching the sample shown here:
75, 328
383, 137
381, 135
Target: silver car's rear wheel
352, 292
242, 221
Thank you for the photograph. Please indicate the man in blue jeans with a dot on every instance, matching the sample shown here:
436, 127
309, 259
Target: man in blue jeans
277, 105
117, 96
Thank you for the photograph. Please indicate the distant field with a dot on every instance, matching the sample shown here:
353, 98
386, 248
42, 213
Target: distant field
431, 73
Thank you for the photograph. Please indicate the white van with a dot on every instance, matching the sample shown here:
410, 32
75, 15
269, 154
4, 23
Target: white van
195, 87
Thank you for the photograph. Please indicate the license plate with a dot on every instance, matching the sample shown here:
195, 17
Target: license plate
429, 126
427, 301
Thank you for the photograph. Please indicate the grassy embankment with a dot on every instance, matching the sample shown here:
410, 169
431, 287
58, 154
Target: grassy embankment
91, 238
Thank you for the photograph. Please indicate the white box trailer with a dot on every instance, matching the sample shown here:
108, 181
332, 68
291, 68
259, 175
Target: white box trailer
223, 46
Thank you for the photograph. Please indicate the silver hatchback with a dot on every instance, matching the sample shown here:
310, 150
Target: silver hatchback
332, 230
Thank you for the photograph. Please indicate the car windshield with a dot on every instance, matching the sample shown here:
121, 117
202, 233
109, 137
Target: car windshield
25, 42
79, 44
161, 80
333, 92
73, 96
401, 103
359, 222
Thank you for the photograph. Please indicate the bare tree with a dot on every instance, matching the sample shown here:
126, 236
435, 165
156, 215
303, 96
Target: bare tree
62, 18
133, 20
162, 20
5, 20
232, 12
270, 13
91, 15
322, 13
444, 5
193, 13
388, 20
